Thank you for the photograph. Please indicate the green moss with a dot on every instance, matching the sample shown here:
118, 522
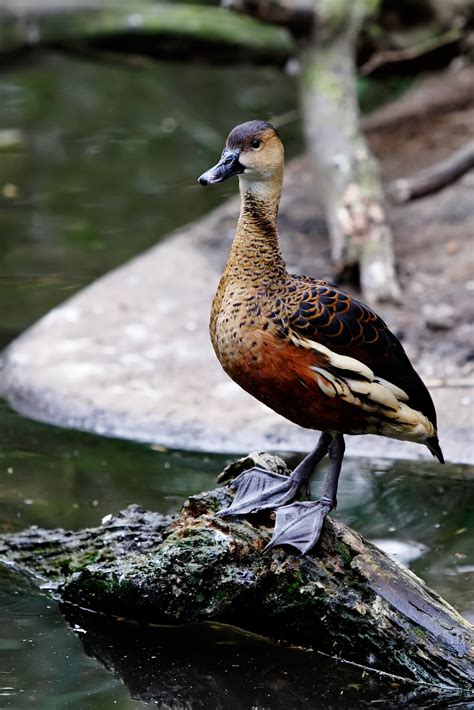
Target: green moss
421, 633
333, 14
344, 552
320, 77
294, 587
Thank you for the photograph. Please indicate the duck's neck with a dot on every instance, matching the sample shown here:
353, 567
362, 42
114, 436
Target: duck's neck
255, 251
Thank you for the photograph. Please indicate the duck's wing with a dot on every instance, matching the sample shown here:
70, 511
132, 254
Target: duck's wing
356, 343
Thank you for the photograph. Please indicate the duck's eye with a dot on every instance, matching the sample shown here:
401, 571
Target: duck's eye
256, 143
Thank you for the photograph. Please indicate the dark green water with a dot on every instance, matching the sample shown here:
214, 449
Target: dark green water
109, 165
109, 157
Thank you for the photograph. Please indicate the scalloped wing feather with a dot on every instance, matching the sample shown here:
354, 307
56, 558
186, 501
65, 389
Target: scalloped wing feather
328, 319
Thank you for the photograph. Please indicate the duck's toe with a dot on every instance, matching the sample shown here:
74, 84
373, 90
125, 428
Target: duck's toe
299, 525
258, 489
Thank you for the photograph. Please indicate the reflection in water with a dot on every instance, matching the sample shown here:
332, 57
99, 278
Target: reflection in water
217, 666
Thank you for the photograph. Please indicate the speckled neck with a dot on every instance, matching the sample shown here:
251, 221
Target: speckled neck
256, 251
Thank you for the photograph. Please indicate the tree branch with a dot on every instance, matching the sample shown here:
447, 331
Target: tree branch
435, 177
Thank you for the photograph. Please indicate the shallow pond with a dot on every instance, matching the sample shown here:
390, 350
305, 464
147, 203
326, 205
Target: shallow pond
107, 166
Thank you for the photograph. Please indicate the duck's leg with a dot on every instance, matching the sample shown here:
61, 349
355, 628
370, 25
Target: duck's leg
258, 489
300, 524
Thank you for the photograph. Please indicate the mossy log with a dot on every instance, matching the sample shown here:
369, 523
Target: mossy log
158, 30
347, 599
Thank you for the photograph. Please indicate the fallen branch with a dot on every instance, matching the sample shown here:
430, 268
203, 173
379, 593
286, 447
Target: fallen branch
441, 93
158, 30
435, 177
397, 56
347, 599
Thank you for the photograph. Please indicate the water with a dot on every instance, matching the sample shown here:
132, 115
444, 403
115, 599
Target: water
108, 154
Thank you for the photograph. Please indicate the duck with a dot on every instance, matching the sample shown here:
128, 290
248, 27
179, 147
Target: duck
304, 347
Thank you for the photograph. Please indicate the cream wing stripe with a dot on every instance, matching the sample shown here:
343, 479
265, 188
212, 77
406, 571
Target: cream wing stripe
383, 401
342, 362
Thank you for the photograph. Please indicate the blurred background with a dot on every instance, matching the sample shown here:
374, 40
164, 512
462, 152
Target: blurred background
108, 112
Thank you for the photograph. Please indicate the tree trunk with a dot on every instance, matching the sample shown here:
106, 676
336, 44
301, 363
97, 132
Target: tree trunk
348, 599
353, 196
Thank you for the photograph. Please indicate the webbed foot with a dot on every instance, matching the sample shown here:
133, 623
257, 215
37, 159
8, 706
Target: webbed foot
299, 525
259, 489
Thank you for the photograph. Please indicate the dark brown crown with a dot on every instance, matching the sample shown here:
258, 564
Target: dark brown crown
242, 135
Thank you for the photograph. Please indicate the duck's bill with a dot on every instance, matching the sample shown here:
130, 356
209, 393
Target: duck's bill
227, 166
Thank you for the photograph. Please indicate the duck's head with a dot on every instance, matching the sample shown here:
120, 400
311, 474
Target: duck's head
253, 151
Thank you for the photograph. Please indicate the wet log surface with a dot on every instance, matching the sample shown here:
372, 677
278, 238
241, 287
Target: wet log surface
348, 599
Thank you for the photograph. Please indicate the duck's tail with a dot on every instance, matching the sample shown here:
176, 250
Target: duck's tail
434, 447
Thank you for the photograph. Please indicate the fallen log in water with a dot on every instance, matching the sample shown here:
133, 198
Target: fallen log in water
348, 598
151, 29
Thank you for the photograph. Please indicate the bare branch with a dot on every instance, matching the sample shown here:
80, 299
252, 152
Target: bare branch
435, 177
457, 93
394, 56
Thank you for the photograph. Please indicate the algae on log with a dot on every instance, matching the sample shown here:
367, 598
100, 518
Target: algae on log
159, 30
359, 231
348, 598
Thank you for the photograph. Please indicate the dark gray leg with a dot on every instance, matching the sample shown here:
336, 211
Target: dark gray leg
258, 489
300, 524
336, 454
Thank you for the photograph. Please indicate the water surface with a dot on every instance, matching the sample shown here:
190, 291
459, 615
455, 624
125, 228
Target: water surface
109, 165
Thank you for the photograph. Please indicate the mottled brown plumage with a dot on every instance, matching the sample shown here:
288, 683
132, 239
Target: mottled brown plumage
304, 347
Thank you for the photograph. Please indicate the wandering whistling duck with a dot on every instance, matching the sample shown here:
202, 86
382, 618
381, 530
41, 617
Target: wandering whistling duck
304, 347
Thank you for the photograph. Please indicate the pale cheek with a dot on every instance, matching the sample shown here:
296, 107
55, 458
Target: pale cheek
248, 163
